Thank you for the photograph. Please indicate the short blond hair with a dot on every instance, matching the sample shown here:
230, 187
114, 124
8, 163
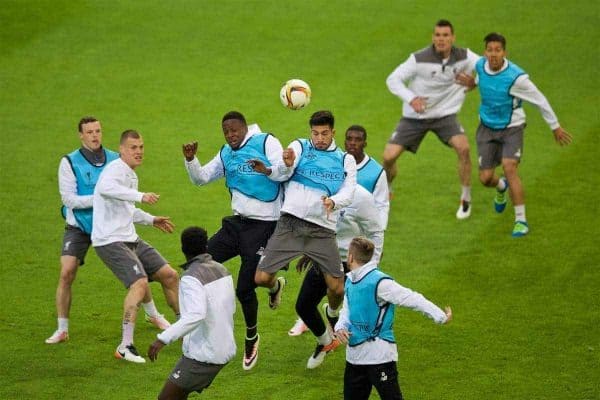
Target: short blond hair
361, 249
129, 133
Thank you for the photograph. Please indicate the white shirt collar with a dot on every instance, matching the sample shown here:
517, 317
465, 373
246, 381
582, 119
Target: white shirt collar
489, 70
363, 162
332, 146
359, 273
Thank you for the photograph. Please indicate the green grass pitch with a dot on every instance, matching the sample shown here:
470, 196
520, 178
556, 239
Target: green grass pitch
527, 311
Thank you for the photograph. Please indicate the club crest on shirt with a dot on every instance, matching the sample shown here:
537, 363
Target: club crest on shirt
310, 155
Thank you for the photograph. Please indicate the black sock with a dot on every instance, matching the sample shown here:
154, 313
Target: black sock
252, 333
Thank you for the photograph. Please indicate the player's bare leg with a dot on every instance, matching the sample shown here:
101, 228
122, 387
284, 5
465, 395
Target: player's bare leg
460, 144
517, 194
68, 272
461, 147
335, 290
169, 280
264, 279
390, 155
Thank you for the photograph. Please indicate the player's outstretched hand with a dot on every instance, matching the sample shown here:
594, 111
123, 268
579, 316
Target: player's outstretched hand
150, 198
164, 224
154, 348
189, 150
289, 157
448, 312
561, 136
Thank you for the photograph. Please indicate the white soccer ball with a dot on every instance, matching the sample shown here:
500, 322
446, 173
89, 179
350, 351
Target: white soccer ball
295, 94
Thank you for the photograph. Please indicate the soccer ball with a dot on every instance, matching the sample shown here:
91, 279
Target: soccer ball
295, 94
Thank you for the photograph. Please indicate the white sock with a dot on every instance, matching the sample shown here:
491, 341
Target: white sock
501, 186
325, 338
128, 328
466, 193
63, 324
331, 313
520, 213
150, 309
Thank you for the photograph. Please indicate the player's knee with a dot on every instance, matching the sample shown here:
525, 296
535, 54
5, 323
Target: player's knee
486, 178
509, 167
140, 285
463, 152
389, 161
391, 154
68, 270
67, 276
261, 279
167, 276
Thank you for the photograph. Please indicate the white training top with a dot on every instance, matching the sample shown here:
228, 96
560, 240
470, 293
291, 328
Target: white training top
433, 80
114, 201
241, 204
524, 89
206, 321
305, 202
360, 218
380, 351
381, 193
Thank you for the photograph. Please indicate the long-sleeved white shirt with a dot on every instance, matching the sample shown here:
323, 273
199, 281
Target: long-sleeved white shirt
379, 351
241, 204
114, 201
206, 321
425, 75
524, 89
360, 218
305, 202
381, 194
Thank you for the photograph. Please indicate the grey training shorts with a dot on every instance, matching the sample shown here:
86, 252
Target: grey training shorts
494, 145
410, 131
75, 243
294, 237
194, 376
130, 261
